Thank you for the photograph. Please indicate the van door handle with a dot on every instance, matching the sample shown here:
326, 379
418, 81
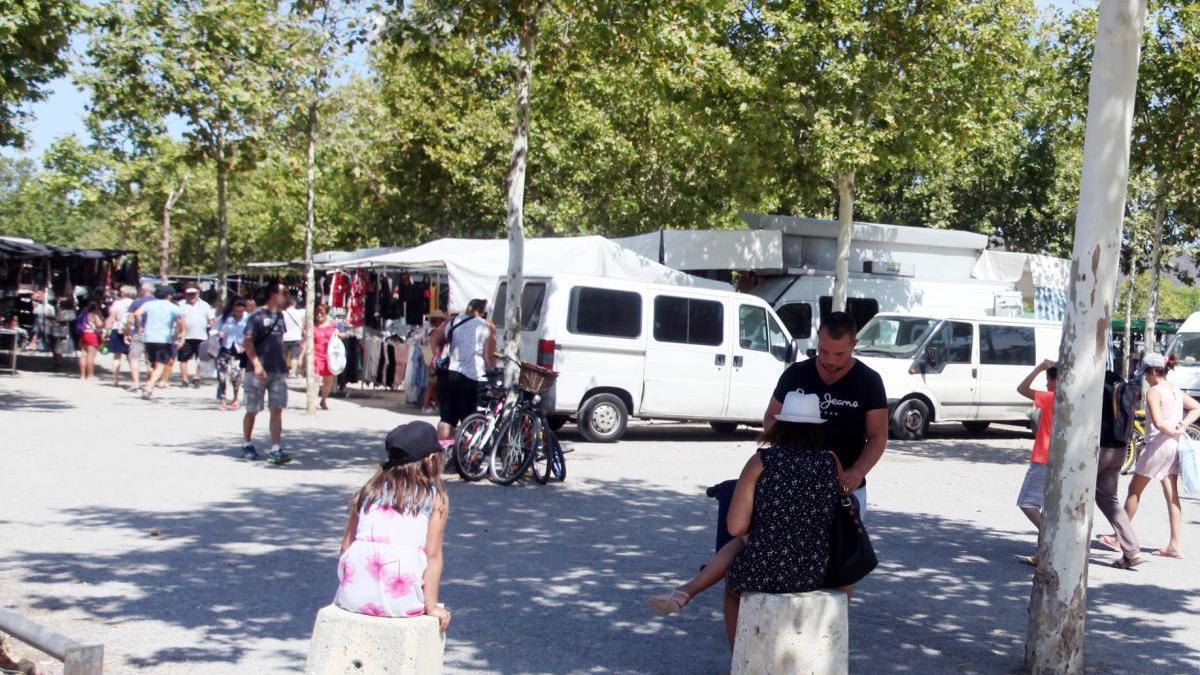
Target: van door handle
720, 360
737, 362
975, 373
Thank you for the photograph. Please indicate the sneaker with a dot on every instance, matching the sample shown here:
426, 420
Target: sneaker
248, 452
195, 384
278, 457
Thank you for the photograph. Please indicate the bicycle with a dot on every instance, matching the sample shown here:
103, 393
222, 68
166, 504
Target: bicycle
511, 433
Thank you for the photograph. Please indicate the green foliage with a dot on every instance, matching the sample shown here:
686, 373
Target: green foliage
1175, 301
34, 36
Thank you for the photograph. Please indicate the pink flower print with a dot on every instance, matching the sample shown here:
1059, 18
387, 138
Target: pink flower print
375, 566
401, 585
388, 511
414, 612
372, 609
345, 572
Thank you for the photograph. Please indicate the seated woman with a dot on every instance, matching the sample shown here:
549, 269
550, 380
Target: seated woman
780, 517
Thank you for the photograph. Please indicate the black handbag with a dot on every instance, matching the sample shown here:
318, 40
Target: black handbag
851, 556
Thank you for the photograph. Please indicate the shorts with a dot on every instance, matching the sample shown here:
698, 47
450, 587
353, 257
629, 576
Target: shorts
190, 350
1033, 488
274, 389
861, 495
137, 348
116, 342
89, 338
458, 396
159, 352
291, 350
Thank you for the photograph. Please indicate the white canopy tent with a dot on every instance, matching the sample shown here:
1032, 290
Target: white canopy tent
473, 267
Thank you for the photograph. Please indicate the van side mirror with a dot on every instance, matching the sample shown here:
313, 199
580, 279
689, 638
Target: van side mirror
793, 350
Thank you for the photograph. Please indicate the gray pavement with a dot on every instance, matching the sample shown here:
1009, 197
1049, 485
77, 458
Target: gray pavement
136, 525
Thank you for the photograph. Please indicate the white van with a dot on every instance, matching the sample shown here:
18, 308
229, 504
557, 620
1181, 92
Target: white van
651, 351
955, 369
1185, 347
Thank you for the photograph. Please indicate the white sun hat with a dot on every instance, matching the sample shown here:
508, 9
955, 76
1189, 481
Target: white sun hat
801, 408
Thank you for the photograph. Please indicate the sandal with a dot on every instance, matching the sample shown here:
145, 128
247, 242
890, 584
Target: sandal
1028, 560
1110, 542
1127, 563
1168, 553
667, 604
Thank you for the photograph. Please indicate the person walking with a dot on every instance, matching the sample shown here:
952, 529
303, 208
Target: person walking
1032, 497
1117, 406
264, 355
1159, 459
89, 325
198, 320
231, 361
323, 331
293, 337
471, 347
162, 329
118, 340
436, 340
136, 337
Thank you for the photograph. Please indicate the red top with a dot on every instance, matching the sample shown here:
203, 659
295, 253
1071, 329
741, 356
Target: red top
1044, 401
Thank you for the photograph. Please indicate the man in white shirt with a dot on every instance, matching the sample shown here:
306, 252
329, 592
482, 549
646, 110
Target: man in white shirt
198, 319
293, 337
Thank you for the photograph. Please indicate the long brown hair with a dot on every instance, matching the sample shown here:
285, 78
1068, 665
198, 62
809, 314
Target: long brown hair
793, 435
408, 486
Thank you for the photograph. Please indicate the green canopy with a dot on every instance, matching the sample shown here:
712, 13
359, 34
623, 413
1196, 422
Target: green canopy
1139, 326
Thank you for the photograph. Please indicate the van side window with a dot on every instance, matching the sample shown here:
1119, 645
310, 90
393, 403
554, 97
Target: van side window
957, 338
532, 298
797, 316
604, 312
752, 328
862, 309
687, 321
779, 341
1006, 345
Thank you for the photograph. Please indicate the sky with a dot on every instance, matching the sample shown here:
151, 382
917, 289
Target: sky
61, 114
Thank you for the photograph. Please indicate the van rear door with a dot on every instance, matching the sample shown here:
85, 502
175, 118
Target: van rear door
687, 358
759, 358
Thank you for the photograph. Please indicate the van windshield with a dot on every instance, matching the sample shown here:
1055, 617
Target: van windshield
1186, 348
896, 337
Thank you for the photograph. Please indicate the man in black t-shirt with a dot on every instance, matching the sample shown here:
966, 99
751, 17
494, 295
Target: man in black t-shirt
267, 384
852, 400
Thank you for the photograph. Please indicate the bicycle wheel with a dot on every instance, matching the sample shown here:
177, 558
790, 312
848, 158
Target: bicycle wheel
513, 450
558, 461
541, 455
1133, 448
471, 447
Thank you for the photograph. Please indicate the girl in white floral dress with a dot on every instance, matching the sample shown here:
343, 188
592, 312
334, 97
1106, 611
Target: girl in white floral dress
391, 561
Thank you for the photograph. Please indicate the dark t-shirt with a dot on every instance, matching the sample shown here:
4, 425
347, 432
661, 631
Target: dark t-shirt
268, 341
844, 403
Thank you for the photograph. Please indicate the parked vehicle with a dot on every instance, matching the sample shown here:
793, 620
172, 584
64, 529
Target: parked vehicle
1185, 347
955, 368
627, 349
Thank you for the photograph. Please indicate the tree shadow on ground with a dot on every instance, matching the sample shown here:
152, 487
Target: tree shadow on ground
552, 579
311, 449
973, 450
24, 401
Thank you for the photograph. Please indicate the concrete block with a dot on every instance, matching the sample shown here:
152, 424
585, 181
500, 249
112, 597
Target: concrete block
796, 634
345, 643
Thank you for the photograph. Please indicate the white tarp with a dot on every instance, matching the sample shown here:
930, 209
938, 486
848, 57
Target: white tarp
710, 249
474, 266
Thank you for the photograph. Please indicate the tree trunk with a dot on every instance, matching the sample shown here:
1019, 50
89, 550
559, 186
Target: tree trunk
164, 262
514, 182
1054, 643
1128, 351
222, 222
1156, 254
841, 269
310, 277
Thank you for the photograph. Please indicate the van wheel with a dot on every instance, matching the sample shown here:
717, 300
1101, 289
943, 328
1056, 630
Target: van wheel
910, 420
602, 418
724, 427
556, 421
976, 427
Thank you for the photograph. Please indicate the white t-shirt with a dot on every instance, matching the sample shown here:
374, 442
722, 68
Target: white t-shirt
196, 319
120, 312
293, 324
466, 347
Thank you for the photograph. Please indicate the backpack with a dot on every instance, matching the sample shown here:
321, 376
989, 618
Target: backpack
442, 363
1120, 408
81, 322
335, 355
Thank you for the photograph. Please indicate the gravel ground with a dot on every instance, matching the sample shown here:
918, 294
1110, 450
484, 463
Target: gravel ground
136, 525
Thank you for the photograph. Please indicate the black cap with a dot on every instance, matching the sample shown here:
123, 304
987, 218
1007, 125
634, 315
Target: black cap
410, 443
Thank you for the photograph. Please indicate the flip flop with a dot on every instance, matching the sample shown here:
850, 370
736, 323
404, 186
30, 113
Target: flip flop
1110, 542
1164, 553
1028, 560
667, 604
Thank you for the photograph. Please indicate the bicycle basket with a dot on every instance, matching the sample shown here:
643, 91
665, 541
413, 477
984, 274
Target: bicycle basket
536, 379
